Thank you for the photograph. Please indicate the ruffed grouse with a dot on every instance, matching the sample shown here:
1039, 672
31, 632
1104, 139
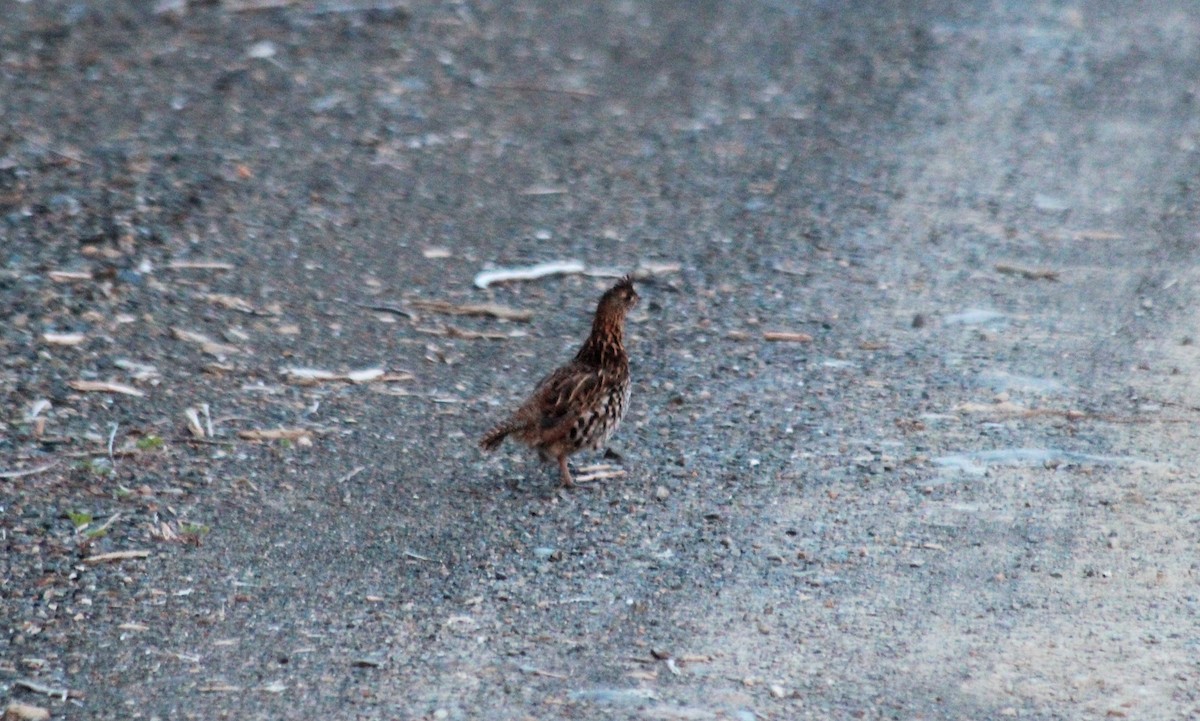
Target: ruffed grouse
579, 405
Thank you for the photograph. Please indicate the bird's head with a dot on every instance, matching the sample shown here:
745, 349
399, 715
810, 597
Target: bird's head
621, 297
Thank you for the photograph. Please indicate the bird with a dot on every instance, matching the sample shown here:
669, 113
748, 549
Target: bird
580, 404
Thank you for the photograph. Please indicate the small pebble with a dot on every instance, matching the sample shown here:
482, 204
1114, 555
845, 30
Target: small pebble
662, 493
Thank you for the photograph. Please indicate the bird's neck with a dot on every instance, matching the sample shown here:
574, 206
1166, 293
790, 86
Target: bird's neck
605, 345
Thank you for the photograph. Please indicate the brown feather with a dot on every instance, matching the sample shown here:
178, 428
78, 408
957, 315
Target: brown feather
580, 404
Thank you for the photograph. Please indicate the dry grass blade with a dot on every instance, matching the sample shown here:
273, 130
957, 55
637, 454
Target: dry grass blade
105, 387
494, 310
96, 532
29, 471
780, 336
116, 556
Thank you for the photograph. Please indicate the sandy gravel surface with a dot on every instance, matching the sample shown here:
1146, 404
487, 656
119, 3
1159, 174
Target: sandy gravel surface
913, 422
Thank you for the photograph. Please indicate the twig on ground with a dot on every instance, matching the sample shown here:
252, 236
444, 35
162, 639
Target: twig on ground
385, 308
199, 265
116, 556
42, 688
548, 674
494, 310
533, 272
105, 387
1027, 273
28, 471
780, 336
541, 89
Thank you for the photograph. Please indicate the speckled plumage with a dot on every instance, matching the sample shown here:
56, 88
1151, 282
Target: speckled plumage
579, 405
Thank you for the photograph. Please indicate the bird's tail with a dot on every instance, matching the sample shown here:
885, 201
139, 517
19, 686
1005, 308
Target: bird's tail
493, 438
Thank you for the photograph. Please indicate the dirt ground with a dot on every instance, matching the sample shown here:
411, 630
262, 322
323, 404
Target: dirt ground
961, 486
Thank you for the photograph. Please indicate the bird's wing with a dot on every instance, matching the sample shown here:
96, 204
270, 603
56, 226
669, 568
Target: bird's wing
560, 397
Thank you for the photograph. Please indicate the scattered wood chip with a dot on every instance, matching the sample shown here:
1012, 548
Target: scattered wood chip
543, 190
780, 336
436, 253
494, 310
1027, 273
199, 265
449, 331
230, 302
35, 409
1097, 235
105, 387
651, 268
28, 471
139, 371
276, 434
541, 672
69, 276
589, 474
131, 626
193, 419
220, 688
311, 376
116, 556
533, 272
64, 338
16, 711
208, 345
872, 345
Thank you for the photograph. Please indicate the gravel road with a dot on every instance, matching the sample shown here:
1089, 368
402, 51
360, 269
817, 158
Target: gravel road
912, 426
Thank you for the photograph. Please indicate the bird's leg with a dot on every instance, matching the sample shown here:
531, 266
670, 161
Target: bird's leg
565, 472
